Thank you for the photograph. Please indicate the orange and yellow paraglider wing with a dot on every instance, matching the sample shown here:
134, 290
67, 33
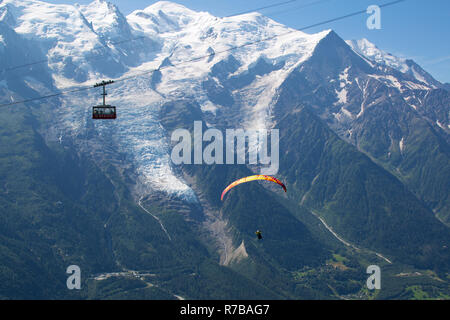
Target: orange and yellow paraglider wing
269, 178
251, 178
232, 185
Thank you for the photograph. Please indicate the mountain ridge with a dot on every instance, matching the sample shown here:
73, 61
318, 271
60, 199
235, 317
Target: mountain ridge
362, 144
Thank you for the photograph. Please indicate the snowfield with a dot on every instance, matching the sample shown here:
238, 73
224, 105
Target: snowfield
85, 44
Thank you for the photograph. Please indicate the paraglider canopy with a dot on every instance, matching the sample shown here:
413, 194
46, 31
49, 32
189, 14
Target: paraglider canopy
252, 178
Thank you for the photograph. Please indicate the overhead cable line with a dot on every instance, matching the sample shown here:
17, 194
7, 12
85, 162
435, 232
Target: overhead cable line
205, 56
262, 8
105, 46
49, 61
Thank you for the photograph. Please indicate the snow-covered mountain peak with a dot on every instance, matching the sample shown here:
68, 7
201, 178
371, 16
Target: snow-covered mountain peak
101, 9
230, 67
165, 16
370, 51
37, 19
106, 19
169, 7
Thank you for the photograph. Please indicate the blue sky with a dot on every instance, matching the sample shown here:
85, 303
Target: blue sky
415, 29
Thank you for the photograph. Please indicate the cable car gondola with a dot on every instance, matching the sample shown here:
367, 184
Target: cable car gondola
104, 111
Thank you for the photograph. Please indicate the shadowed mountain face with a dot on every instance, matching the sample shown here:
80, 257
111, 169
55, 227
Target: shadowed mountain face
362, 201
364, 153
386, 114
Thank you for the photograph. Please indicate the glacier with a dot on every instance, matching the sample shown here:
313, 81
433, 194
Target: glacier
79, 44
84, 44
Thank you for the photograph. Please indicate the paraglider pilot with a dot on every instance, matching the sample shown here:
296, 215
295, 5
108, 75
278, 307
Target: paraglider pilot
258, 234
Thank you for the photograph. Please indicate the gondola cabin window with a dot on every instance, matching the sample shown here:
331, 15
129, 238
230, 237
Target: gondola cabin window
104, 112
